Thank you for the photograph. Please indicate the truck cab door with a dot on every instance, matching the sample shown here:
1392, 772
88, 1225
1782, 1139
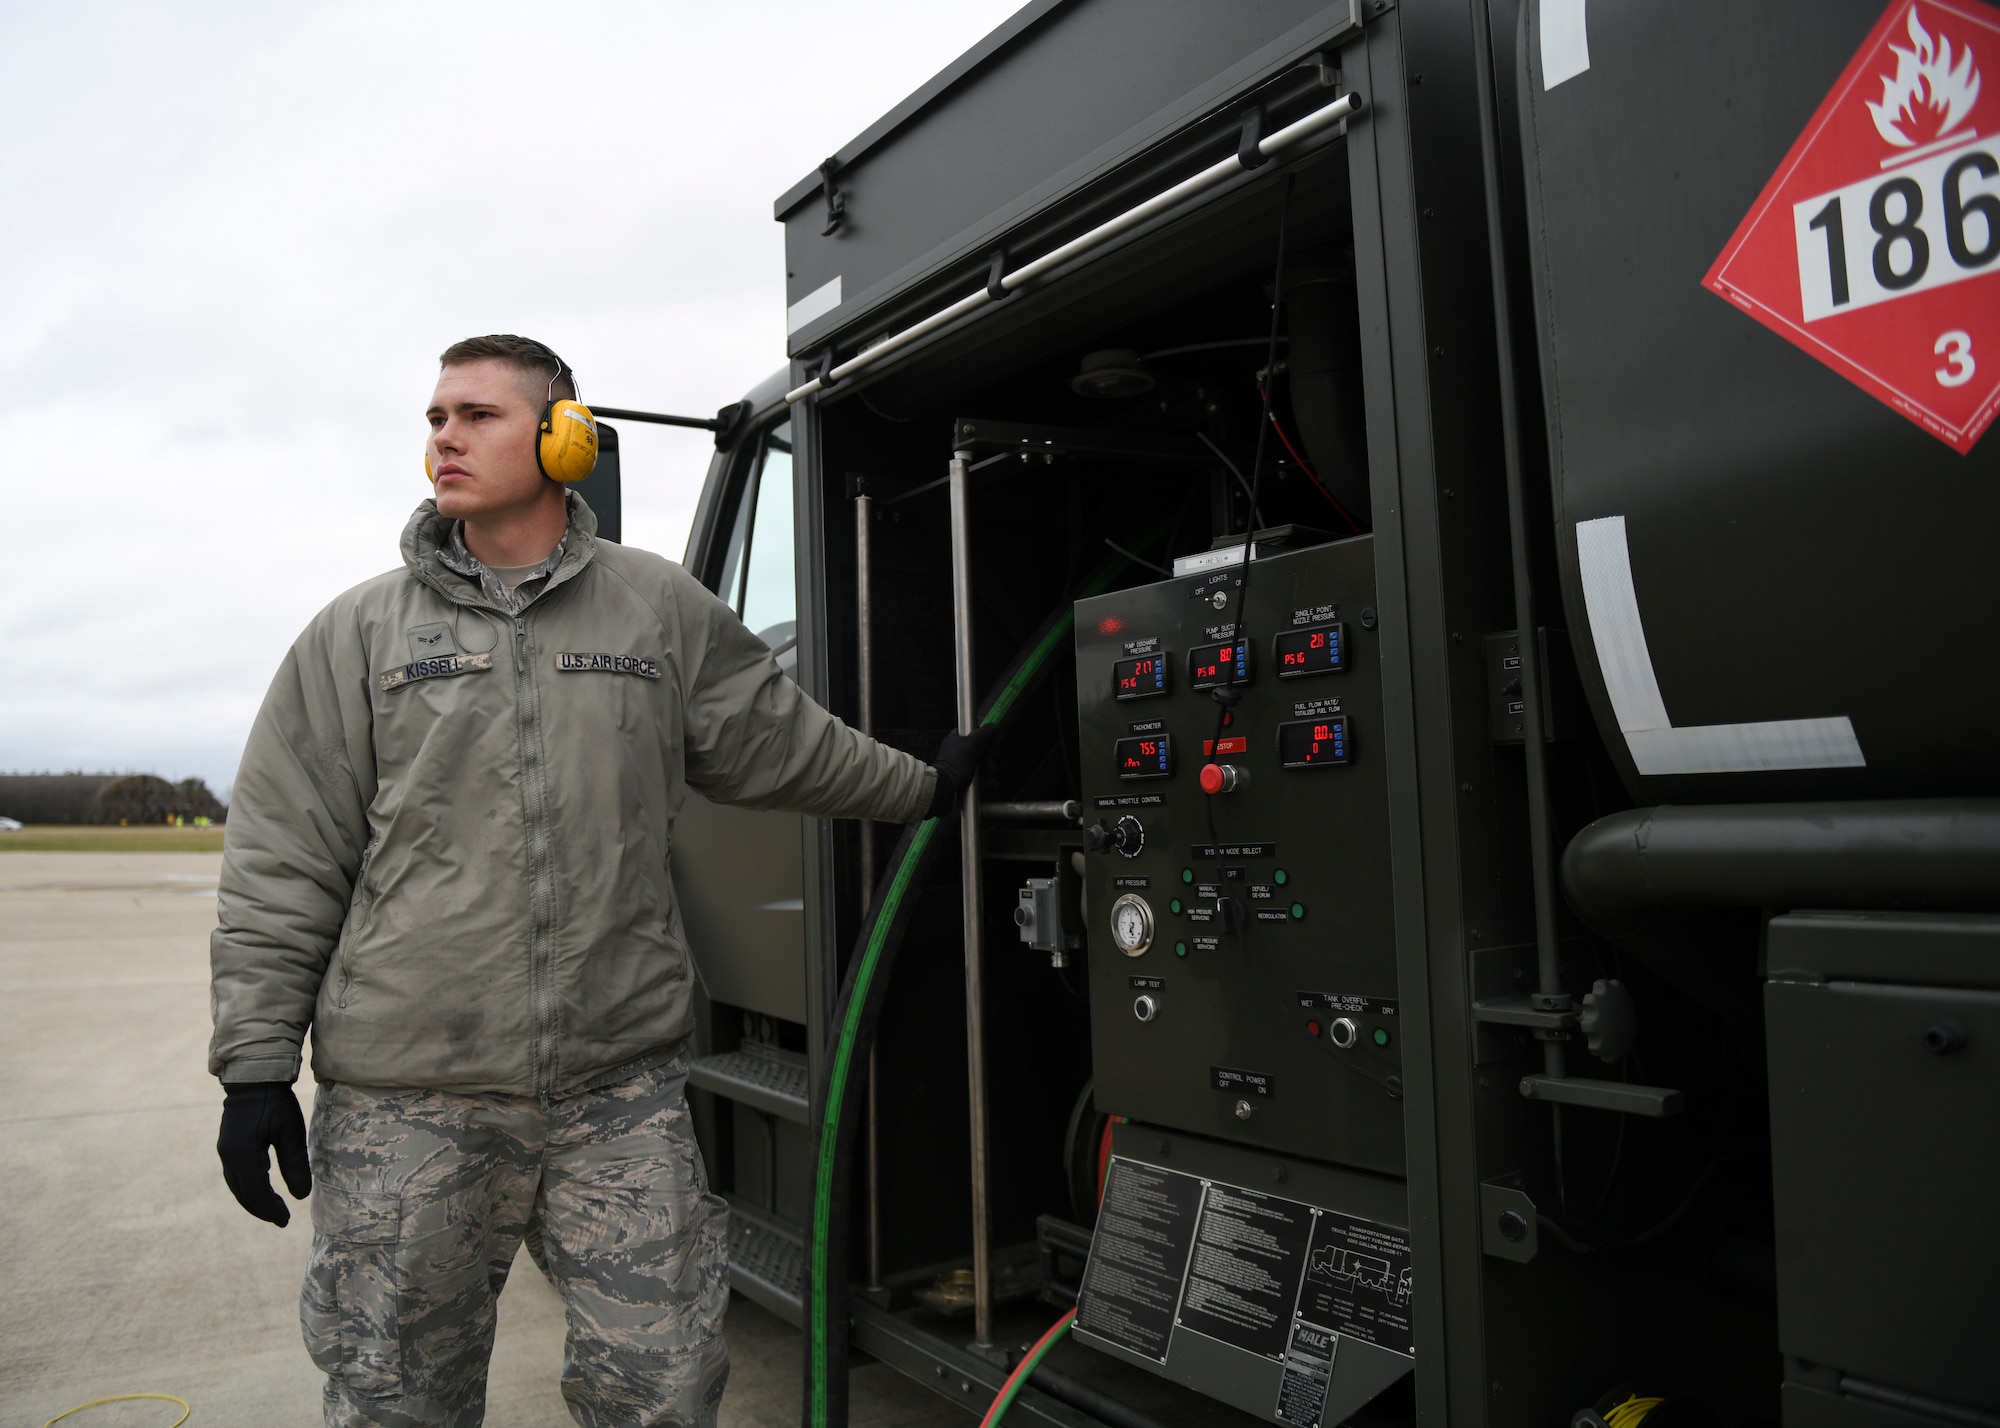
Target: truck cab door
737, 872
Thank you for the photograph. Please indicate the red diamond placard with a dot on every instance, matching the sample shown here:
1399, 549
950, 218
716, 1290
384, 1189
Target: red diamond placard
1875, 247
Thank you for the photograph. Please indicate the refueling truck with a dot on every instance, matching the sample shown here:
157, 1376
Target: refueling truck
1473, 521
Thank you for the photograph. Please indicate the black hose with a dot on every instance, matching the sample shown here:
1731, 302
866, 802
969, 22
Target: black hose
1064, 1389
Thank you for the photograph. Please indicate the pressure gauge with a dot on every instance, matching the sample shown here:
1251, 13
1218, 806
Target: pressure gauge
1132, 924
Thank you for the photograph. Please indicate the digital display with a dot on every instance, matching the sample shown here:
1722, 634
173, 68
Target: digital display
1314, 743
1298, 653
1140, 678
1213, 665
1146, 756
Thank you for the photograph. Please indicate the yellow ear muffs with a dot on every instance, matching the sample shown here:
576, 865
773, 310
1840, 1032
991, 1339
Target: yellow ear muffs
428, 475
567, 446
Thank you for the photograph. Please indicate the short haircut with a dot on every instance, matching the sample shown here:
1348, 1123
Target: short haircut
534, 360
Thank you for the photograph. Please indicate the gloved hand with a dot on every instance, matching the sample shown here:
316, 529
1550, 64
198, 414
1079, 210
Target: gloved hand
956, 765
257, 1117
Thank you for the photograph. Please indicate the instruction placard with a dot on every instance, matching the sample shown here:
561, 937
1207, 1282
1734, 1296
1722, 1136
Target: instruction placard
1248, 1250
1138, 1257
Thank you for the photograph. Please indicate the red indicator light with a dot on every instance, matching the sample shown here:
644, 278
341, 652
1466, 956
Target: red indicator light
1110, 625
1312, 1028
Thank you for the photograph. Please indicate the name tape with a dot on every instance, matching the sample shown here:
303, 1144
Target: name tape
640, 665
442, 667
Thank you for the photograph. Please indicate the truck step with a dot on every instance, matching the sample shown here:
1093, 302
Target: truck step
765, 1078
767, 1261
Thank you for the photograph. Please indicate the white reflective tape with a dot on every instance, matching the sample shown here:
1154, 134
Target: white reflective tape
1747, 748
815, 304
1604, 561
574, 415
1565, 41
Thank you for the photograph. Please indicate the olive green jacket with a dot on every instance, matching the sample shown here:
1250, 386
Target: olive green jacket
449, 850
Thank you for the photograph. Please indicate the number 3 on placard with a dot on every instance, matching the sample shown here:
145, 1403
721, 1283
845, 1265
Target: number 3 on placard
1956, 349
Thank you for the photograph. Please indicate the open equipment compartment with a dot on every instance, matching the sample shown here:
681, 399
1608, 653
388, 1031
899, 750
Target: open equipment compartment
1450, 1161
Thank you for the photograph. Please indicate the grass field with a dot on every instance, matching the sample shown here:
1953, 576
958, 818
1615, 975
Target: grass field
90, 838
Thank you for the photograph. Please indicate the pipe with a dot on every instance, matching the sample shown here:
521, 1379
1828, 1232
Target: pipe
1047, 810
1322, 118
659, 418
1541, 854
1929, 853
969, 882
1324, 373
864, 663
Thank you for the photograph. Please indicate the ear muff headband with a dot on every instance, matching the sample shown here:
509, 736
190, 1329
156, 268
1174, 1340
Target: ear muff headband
567, 447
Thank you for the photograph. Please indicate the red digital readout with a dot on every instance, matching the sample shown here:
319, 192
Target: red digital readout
1314, 743
1299, 659
1146, 669
1224, 657
1147, 757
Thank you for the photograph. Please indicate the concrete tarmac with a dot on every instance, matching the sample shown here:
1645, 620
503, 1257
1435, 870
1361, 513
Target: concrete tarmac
125, 1266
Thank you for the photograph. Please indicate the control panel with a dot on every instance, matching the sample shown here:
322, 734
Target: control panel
1236, 891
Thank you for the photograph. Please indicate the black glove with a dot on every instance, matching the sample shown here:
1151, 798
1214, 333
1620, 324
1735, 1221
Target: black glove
257, 1117
956, 765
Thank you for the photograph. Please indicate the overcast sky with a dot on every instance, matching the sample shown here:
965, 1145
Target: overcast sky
234, 238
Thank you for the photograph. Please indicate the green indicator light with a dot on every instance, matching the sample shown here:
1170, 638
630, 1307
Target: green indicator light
1187, 875
1381, 1037
1174, 906
1298, 910
1281, 877
1180, 950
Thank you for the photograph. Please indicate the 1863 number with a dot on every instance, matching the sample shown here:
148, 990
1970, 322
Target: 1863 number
1935, 222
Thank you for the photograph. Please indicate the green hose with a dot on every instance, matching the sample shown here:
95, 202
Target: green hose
825, 1403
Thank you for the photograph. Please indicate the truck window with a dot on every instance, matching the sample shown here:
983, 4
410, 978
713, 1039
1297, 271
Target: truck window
770, 593
757, 577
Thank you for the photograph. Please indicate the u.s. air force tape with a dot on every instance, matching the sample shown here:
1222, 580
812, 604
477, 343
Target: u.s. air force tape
439, 668
609, 664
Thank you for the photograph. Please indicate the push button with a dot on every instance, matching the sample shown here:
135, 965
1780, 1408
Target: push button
1223, 778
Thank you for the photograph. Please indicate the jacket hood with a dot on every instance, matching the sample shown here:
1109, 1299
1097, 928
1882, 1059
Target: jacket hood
428, 532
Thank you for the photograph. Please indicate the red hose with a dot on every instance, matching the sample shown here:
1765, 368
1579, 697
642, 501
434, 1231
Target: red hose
1004, 1399
1104, 1154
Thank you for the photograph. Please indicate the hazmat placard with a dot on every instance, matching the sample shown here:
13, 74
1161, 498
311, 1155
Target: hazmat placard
1873, 247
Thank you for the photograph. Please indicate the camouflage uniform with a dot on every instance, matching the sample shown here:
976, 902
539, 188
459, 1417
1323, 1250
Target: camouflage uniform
454, 555
421, 1198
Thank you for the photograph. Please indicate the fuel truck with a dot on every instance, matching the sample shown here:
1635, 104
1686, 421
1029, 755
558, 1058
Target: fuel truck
1473, 522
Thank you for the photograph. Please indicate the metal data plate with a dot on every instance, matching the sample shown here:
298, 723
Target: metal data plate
1305, 851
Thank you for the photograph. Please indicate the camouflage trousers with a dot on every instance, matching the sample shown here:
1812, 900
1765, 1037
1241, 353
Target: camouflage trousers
420, 1200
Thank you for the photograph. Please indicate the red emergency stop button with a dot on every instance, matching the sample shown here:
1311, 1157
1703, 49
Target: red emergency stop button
1222, 778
